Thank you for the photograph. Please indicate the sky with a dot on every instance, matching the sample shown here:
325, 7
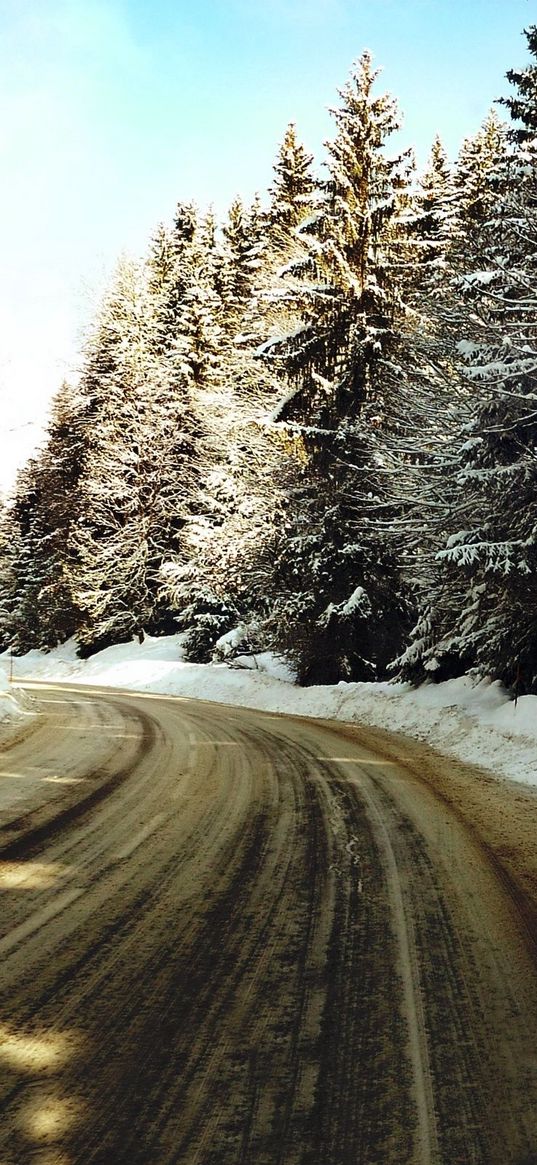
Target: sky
111, 111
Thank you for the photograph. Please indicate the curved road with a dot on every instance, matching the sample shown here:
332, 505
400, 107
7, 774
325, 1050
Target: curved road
230, 938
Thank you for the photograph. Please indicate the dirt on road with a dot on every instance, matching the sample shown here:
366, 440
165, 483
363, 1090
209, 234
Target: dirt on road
230, 938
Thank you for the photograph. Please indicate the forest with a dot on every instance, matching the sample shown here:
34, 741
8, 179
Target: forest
310, 428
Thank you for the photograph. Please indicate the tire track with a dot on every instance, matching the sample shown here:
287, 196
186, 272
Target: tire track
258, 955
427, 1147
36, 827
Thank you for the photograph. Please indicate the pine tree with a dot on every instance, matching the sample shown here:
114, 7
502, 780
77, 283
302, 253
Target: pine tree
481, 182
138, 470
38, 606
432, 220
523, 104
339, 609
208, 586
293, 192
245, 242
182, 272
217, 586
481, 609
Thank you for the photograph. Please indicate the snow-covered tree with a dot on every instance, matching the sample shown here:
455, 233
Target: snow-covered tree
216, 586
37, 603
139, 468
482, 604
185, 305
482, 175
338, 606
292, 193
522, 104
431, 220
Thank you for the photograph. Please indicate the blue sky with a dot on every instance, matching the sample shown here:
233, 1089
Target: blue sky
112, 110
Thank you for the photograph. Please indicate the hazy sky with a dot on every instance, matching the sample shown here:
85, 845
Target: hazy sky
112, 110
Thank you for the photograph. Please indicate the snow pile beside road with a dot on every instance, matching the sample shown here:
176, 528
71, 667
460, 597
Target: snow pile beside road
13, 702
475, 722
106, 667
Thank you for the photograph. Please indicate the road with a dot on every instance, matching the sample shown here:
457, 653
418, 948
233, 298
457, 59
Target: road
230, 938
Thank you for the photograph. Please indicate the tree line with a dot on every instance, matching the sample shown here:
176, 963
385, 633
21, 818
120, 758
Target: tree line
311, 428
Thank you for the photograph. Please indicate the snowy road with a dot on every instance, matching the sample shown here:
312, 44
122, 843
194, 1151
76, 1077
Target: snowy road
230, 938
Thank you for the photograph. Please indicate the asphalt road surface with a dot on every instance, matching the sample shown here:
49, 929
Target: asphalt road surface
230, 938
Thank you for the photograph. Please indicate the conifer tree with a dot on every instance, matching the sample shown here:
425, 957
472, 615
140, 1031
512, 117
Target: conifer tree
481, 609
522, 105
38, 606
339, 608
432, 221
481, 182
292, 193
182, 272
207, 587
218, 585
138, 470
245, 243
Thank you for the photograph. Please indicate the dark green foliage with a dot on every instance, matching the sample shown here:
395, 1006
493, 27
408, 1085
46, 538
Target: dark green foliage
329, 628
338, 359
522, 105
482, 597
39, 608
205, 618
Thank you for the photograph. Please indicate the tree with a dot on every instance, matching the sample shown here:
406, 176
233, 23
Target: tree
139, 468
522, 105
292, 193
183, 270
339, 608
432, 219
208, 585
38, 604
481, 609
482, 177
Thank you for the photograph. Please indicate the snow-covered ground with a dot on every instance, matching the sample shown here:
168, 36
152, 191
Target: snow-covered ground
475, 722
13, 702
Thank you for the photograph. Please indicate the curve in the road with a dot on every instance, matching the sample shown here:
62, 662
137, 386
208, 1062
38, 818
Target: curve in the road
253, 940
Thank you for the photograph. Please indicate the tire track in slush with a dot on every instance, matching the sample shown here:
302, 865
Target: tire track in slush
35, 828
364, 1105
468, 1061
239, 992
226, 994
249, 946
427, 1148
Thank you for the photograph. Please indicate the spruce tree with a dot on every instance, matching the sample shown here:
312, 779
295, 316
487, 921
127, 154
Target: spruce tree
292, 193
481, 609
208, 587
432, 220
38, 608
339, 608
482, 178
522, 105
138, 470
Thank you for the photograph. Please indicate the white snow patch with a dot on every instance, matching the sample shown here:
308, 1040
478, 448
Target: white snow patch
358, 602
13, 702
228, 642
476, 722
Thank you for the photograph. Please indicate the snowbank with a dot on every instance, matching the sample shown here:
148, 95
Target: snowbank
13, 702
474, 722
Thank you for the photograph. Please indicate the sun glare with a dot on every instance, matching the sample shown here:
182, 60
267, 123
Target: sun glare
35, 1053
50, 1118
30, 875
